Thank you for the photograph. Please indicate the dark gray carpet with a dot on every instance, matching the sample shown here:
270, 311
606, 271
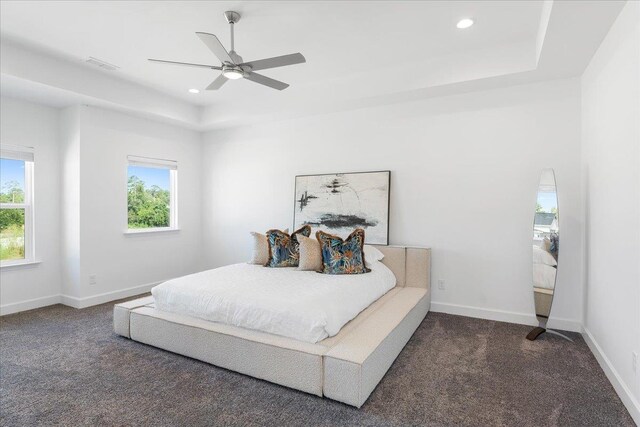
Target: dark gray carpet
61, 366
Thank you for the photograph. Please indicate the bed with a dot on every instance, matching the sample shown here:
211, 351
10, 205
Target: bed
544, 280
544, 269
343, 363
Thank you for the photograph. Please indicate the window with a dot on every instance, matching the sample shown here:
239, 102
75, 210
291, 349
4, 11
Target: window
16, 205
151, 195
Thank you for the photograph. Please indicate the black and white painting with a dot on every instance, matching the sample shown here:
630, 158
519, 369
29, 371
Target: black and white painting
341, 202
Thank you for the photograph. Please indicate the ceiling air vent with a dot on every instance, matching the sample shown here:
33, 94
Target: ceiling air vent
102, 64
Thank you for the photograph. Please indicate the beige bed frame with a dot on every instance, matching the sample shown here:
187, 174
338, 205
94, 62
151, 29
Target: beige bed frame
346, 367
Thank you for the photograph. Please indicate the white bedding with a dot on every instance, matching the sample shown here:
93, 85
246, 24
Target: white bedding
544, 276
544, 268
540, 256
303, 305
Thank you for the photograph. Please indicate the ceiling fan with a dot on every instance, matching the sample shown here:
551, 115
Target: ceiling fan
232, 66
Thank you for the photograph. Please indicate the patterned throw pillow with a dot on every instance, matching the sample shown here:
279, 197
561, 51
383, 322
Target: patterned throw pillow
342, 256
260, 252
284, 250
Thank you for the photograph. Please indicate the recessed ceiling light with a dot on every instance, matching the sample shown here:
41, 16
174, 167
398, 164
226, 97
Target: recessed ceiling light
194, 91
464, 23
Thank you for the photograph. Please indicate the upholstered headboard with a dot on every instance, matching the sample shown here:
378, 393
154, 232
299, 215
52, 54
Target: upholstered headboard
412, 266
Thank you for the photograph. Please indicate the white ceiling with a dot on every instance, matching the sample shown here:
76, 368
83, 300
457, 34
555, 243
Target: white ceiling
356, 51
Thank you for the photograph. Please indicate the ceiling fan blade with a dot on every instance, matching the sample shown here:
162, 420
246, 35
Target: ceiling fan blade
276, 61
188, 64
264, 80
216, 47
217, 83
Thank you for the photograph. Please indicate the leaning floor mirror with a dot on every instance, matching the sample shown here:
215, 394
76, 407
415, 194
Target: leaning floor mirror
546, 247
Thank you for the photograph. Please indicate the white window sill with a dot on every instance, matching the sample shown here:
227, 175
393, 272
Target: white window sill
135, 231
20, 263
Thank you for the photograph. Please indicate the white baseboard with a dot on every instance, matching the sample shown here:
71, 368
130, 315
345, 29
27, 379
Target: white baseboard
29, 304
92, 300
504, 316
629, 401
75, 302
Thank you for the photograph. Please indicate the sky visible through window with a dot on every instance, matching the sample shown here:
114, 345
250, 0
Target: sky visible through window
11, 171
547, 201
151, 176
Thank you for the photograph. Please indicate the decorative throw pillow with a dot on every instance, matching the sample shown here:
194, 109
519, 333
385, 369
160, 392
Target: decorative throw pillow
260, 252
342, 256
284, 250
310, 254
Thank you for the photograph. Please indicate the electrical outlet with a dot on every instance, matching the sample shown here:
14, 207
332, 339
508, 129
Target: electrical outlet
93, 279
441, 285
634, 361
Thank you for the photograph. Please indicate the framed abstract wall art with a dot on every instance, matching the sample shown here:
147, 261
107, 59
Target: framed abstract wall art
340, 202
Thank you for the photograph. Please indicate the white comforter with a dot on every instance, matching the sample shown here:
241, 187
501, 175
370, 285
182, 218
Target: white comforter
544, 268
303, 305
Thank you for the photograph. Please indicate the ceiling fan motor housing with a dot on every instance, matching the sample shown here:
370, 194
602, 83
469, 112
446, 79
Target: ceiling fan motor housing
236, 58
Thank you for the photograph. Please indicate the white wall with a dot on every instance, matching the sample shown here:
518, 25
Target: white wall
465, 172
80, 195
31, 125
124, 261
611, 138
70, 200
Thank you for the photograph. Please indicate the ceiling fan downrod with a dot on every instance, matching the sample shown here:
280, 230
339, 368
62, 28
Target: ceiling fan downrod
232, 17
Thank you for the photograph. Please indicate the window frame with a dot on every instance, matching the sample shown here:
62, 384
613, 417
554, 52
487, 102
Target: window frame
25, 154
149, 162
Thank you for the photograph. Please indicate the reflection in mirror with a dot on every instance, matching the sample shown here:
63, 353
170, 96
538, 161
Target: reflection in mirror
545, 244
546, 247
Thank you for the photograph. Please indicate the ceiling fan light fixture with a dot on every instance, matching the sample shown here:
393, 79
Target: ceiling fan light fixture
233, 73
464, 23
194, 90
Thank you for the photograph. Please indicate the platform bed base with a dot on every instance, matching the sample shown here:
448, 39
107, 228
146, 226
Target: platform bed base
346, 367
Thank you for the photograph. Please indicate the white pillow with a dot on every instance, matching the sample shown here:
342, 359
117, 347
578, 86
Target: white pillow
540, 256
260, 248
372, 254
